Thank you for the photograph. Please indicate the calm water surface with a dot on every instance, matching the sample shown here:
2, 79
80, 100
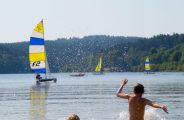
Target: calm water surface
92, 97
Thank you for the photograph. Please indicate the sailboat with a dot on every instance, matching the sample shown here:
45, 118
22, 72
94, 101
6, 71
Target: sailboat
78, 74
37, 54
98, 69
147, 66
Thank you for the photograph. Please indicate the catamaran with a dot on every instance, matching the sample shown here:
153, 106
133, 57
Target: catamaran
98, 69
37, 54
78, 75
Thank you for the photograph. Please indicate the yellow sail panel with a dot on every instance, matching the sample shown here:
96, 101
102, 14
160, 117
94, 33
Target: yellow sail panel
36, 57
99, 65
147, 67
39, 28
97, 68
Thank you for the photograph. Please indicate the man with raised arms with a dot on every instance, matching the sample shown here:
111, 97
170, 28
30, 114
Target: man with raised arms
136, 102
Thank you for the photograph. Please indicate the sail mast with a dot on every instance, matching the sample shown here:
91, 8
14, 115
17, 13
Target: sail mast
44, 47
46, 60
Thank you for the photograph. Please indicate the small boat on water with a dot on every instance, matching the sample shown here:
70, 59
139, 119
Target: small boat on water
98, 69
37, 55
78, 75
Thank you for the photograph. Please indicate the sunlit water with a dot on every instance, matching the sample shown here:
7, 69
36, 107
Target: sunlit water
92, 97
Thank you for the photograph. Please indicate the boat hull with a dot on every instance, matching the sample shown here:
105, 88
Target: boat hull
78, 75
47, 80
149, 72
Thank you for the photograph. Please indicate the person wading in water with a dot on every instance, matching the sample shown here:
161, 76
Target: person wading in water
136, 102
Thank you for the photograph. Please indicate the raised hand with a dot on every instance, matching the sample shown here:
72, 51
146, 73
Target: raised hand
164, 108
124, 82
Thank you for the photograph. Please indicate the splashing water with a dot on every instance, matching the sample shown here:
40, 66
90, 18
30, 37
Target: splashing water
150, 114
123, 115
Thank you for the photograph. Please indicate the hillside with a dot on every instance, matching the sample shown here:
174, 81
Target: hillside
119, 53
166, 53
63, 54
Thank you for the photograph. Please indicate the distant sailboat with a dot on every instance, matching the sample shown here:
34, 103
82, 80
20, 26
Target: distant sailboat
147, 66
37, 54
98, 69
78, 75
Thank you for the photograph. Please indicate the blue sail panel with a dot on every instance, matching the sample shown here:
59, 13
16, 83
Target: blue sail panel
146, 62
42, 70
36, 41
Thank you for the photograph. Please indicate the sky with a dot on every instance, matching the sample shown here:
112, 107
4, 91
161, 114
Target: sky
78, 18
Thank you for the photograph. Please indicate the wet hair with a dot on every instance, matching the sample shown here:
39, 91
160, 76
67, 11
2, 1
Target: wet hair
139, 89
73, 117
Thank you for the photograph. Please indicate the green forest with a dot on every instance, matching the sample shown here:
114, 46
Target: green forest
119, 54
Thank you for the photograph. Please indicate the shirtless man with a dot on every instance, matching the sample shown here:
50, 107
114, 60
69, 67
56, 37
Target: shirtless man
136, 102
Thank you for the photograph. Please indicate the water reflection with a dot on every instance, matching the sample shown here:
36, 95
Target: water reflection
38, 101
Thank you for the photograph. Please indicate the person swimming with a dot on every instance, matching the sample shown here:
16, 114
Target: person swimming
136, 102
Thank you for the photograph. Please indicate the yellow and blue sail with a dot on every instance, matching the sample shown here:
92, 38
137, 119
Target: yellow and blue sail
147, 65
37, 55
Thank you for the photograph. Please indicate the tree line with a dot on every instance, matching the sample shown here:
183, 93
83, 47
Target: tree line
81, 54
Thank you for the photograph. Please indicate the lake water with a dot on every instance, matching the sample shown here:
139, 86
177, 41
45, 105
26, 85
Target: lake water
92, 97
